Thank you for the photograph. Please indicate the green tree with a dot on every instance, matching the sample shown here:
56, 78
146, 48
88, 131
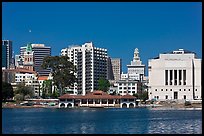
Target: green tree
62, 71
46, 88
143, 95
19, 97
7, 91
24, 91
103, 84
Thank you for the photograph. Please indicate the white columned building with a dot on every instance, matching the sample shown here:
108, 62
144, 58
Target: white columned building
175, 76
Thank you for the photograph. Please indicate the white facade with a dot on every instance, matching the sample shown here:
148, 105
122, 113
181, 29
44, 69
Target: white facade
136, 69
132, 76
91, 63
29, 80
127, 87
72, 53
175, 75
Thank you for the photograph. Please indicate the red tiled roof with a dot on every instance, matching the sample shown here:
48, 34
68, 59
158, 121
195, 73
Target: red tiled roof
23, 70
127, 96
96, 95
42, 77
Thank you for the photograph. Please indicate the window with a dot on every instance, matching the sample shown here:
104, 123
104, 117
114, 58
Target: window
104, 101
120, 91
155, 89
166, 96
189, 89
184, 89
97, 101
179, 89
180, 75
133, 87
175, 77
129, 91
184, 77
133, 92
90, 101
170, 89
125, 88
129, 87
120, 88
195, 89
171, 76
131, 100
84, 101
166, 77
161, 89
184, 97
166, 89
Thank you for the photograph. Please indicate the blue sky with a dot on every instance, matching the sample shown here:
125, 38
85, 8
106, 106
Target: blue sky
120, 27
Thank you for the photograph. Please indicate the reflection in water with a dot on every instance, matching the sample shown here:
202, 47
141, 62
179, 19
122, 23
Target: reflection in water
101, 121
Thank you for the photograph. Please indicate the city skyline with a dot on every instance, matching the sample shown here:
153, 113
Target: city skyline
153, 28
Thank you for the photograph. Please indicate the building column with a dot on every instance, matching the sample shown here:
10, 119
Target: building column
80, 102
168, 77
100, 102
94, 102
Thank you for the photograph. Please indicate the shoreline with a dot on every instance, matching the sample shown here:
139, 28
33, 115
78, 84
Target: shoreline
152, 107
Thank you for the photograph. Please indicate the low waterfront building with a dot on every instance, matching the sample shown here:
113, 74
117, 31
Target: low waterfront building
97, 99
175, 76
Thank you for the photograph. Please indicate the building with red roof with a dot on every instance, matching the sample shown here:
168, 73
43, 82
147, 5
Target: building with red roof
97, 99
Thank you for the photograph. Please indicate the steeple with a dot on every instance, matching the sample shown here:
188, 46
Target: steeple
136, 55
29, 47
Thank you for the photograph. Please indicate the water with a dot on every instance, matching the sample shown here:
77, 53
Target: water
101, 121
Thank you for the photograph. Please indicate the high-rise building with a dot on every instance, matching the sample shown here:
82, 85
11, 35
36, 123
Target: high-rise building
175, 76
72, 53
117, 68
136, 70
6, 53
110, 75
40, 52
91, 63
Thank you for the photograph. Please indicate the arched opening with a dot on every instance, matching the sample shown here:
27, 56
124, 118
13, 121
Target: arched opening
131, 105
124, 105
62, 105
69, 105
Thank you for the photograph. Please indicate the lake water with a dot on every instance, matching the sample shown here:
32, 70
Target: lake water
101, 121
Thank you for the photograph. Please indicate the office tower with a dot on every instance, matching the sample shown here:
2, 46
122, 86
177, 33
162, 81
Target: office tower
117, 68
40, 52
110, 75
6, 53
175, 76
